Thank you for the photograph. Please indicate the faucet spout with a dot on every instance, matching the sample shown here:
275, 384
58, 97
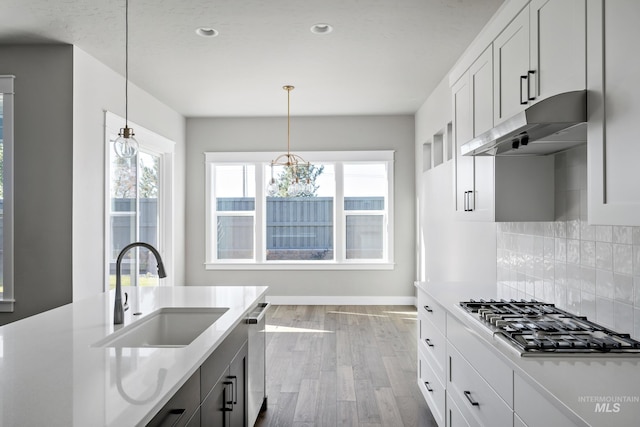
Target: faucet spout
119, 308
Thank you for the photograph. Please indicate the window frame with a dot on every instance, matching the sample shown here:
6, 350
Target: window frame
7, 295
157, 145
261, 161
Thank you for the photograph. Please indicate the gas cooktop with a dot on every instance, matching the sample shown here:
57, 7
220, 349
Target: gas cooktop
535, 328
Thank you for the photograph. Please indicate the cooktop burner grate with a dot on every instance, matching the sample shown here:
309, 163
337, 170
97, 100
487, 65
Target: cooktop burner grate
534, 328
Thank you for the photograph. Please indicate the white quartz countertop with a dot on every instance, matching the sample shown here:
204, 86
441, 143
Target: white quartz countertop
574, 384
52, 376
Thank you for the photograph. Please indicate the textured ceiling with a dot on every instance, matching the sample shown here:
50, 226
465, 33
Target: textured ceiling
383, 57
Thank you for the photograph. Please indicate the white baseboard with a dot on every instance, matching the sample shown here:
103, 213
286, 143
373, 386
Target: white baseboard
339, 300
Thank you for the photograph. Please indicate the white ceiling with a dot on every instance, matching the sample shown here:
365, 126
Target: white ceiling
383, 57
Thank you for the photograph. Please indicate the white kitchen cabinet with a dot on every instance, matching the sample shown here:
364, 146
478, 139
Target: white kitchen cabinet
614, 109
539, 54
473, 180
476, 399
534, 410
455, 418
488, 188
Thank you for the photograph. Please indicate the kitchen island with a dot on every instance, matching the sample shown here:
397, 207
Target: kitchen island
579, 390
53, 375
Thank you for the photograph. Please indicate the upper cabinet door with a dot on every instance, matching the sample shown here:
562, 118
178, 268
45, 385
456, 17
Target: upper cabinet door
557, 53
511, 67
481, 81
462, 133
614, 108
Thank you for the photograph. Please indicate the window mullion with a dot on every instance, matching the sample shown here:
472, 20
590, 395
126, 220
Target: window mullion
259, 245
339, 236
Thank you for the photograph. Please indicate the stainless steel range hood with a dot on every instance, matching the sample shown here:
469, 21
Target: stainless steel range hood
552, 125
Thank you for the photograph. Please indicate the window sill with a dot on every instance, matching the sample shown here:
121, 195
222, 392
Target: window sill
299, 266
6, 305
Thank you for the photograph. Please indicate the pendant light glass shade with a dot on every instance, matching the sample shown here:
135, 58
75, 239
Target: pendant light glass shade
126, 145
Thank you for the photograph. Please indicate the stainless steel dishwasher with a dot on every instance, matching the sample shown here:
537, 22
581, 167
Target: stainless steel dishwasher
256, 383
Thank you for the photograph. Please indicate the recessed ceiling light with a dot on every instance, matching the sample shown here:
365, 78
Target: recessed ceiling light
207, 32
321, 28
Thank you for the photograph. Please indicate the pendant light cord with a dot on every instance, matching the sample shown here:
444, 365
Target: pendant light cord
126, 64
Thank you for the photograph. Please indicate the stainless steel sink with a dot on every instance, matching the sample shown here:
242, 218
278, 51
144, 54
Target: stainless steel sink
166, 327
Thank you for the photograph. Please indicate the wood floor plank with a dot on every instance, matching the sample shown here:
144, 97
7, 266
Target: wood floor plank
347, 414
305, 411
366, 402
346, 385
387, 407
327, 405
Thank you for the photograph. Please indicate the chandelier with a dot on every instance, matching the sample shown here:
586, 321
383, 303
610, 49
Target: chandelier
293, 166
126, 145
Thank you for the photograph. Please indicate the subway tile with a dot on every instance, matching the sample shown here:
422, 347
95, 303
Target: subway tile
636, 323
560, 298
584, 206
636, 260
588, 279
573, 276
604, 284
622, 317
549, 291
538, 246
622, 259
560, 228
636, 235
588, 305
549, 269
561, 249
560, 274
636, 291
604, 233
604, 255
549, 248
588, 253
573, 229
604, 311
622, 234
549, 230
539, 289
623, 288
573, 300
573, 251
587, 232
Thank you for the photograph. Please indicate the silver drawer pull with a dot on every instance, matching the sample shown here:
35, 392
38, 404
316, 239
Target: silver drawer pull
468, 396
426, 307
429, 389
428, 341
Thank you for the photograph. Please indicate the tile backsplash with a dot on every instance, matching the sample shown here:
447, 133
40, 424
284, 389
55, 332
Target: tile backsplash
590, 270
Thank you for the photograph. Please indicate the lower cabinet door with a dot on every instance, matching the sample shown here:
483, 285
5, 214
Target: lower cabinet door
237, 376
215, 410
180, 408
195, 420
454, 415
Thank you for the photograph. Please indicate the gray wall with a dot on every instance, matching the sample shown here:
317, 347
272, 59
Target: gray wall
43, 175
307, 134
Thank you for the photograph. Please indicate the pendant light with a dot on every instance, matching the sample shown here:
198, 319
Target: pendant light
126, 145
292, 164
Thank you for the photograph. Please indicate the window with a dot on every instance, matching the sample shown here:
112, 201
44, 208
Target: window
138, 206
6, 193
343, 222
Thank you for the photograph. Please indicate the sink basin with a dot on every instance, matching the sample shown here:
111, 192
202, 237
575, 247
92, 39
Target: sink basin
166, 327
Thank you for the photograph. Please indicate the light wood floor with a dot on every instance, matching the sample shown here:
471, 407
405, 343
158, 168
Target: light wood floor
343, 366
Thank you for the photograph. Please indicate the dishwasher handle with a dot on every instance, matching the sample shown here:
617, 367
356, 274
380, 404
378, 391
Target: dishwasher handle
256, 315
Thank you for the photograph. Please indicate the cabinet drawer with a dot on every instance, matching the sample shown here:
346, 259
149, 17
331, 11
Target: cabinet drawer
534, 409
433, 311
181, 407
434, 345
474, 396
455, 417
431, 388
495, 372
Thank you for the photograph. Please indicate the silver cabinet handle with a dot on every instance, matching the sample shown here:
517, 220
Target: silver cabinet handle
257, 315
